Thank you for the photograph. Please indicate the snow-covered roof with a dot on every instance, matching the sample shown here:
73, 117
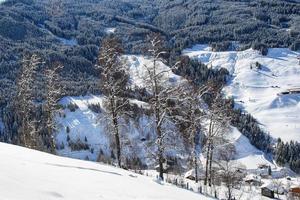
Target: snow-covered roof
274, 187
252, 177
191, 173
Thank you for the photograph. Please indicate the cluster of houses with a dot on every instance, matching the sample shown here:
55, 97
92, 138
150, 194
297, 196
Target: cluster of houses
262, 178
272, 189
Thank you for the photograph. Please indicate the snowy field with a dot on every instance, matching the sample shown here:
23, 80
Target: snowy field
258, 91
31, 175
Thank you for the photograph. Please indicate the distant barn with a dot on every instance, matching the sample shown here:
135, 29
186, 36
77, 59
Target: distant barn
291, 91
294, 193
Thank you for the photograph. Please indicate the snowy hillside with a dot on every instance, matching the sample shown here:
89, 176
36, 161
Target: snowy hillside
139, 75
88, 127
246, 153
28, 174
257, 84
83, 125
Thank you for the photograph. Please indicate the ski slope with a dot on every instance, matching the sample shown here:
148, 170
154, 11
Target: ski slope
258, 91
31, 175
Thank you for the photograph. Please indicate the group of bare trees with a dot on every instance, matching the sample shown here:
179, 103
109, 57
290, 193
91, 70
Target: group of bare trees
25, 104
179, 104
170, 104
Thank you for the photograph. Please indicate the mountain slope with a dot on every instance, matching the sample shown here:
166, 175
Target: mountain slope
258, 89
28, 174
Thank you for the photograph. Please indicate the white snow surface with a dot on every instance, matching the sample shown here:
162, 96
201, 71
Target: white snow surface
84, 124
247, 154
31, 175
139, 75
257, 90
91, 128
110, 30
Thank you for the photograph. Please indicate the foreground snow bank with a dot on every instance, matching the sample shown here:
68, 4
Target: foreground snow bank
28, 174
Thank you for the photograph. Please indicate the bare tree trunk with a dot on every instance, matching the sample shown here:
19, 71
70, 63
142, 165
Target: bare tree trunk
116, 129
160, 148
208, 160
210, 165
195, 153
52, 142
196, 167
207, 163
118, 144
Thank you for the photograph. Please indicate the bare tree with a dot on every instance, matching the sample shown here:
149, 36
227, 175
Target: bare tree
53, 94
191, 117
24, 101
162, 95
113, 83
218, 118
229, 171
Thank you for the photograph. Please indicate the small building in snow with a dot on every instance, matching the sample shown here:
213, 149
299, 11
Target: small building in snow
267, 192
294, 192
253, 179
192, 175
263, 170
270, 189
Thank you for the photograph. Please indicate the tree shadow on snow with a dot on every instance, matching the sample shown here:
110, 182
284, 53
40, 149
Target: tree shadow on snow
84, 168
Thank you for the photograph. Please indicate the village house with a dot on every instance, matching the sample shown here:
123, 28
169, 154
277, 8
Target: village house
294, 192
270, 189
192, 175
264, 170
253, 179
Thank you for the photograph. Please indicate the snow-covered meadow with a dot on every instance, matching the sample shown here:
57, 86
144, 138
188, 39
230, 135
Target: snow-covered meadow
258, 90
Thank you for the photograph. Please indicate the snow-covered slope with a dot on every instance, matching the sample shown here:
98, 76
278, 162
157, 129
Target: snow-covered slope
88, 127
258, 90
246, 153
31, 175
139, 75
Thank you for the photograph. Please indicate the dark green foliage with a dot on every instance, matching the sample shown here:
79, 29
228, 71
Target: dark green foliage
199, 73
288, 153
68, 129
78, 145
96, 108
249, 127
72, 107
